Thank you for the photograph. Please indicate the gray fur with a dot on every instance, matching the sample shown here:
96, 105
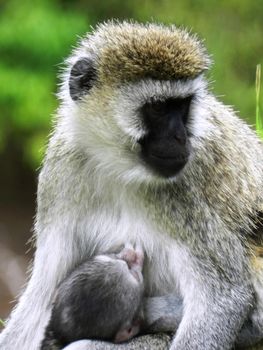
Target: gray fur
101, 299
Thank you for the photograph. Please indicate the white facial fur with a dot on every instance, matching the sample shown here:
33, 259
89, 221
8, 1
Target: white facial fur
107, 124
132, 96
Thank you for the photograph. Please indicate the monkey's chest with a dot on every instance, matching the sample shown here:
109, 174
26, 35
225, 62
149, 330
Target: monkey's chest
166, 262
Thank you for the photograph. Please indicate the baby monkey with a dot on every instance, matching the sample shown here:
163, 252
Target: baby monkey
101, 299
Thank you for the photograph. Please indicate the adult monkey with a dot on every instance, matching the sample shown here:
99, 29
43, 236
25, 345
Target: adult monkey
142, 152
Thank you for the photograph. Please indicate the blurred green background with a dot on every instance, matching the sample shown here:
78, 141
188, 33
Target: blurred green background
35, 38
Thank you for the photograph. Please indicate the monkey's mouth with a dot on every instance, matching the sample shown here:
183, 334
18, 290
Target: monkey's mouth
168, 157
165, 165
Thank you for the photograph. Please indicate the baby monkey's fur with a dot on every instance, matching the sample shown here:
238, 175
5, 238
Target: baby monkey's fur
101, 299
143, 152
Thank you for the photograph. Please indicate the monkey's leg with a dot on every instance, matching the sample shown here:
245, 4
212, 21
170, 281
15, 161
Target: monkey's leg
25, 329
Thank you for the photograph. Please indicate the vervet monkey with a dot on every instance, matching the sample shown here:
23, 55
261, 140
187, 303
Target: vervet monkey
143, 152
101, 299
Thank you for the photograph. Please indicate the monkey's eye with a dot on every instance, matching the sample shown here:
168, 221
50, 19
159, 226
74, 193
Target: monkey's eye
158, 107
155, 109
185, 107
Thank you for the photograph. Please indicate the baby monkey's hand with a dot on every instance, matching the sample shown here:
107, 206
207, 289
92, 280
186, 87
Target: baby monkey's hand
134, 258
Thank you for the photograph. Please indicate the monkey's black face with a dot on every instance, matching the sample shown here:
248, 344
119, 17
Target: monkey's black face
165, 147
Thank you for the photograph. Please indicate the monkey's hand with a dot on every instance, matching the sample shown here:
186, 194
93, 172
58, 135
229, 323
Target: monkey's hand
133, 257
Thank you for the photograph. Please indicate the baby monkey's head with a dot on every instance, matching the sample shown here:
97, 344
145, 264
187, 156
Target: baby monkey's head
101, 299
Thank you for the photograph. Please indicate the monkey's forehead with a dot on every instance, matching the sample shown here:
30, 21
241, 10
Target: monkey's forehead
130, 51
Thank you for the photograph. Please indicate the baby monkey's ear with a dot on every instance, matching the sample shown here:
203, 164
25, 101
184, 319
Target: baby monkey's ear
83, 75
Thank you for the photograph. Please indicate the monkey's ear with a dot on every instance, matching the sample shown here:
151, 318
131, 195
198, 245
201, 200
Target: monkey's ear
82, 77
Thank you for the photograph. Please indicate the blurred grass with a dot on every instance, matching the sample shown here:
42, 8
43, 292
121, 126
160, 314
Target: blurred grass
36, 38
2, 323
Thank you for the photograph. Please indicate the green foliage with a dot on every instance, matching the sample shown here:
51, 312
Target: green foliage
34, 40
2, 323
36, 37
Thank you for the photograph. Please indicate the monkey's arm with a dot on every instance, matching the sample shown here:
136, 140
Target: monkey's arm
58, 230
216, 291
25, 329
